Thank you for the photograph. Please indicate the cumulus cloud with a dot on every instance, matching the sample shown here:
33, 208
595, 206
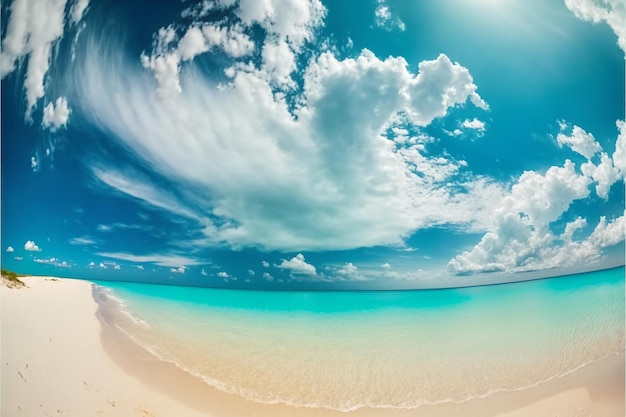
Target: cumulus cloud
102, 265
522, 238
140, 267
579, 141
386, 265
268, 277
605, 174
204, 273
31, 246
251, 272
91, 264
166, 58
474, 124
619, 156
179, 270
350, 272
10, 249
56, 116
612, 12
265, 264
385, 19
298, 266
287, 29
222, 274
522, 222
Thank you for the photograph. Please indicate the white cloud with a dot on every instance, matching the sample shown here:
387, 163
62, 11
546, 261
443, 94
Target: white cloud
348, 269
572, 227
268, 277
385, 19
295, 22
102, 265
165, 61
34, 26
140, 267
340, 182
19, 258
53, 261
104, 228
204, 273
10, 249
278, 61
265, 264
135, 186
91, 264
522, 238
116, 266
298, 266
386, 265
82, 240
613, 12
251, 272
56, 116
579, 141
31, 246
222, 274
619, 156
349, 272
604, 174
50, 261
79, 8
167, 259
474, 124
179, 270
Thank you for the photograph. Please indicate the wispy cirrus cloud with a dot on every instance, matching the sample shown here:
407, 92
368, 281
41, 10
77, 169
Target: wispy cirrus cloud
166, 260
82, 240
304, 183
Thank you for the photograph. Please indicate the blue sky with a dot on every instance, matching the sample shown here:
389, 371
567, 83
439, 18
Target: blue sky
309, 144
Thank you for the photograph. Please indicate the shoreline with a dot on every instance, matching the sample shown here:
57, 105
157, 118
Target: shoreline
138, 383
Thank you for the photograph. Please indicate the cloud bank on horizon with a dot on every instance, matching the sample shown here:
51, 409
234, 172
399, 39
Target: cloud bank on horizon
246, 131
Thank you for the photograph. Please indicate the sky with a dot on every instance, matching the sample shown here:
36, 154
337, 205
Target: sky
308, 144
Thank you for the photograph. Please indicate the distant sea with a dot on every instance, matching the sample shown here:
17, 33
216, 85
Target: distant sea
386, 349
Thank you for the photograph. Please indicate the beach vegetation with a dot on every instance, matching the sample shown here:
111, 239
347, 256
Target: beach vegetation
12, 278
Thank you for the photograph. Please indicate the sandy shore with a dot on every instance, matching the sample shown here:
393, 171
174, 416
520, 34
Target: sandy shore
59, 358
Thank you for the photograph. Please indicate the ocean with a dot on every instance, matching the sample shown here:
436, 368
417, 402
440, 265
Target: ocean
382, 349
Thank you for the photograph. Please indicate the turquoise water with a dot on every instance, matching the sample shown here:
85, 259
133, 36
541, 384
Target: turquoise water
396, 349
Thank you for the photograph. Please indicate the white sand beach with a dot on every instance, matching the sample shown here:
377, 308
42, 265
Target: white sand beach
58, 359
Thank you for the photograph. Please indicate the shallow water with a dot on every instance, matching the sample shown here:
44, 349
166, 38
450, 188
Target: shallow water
400, 349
